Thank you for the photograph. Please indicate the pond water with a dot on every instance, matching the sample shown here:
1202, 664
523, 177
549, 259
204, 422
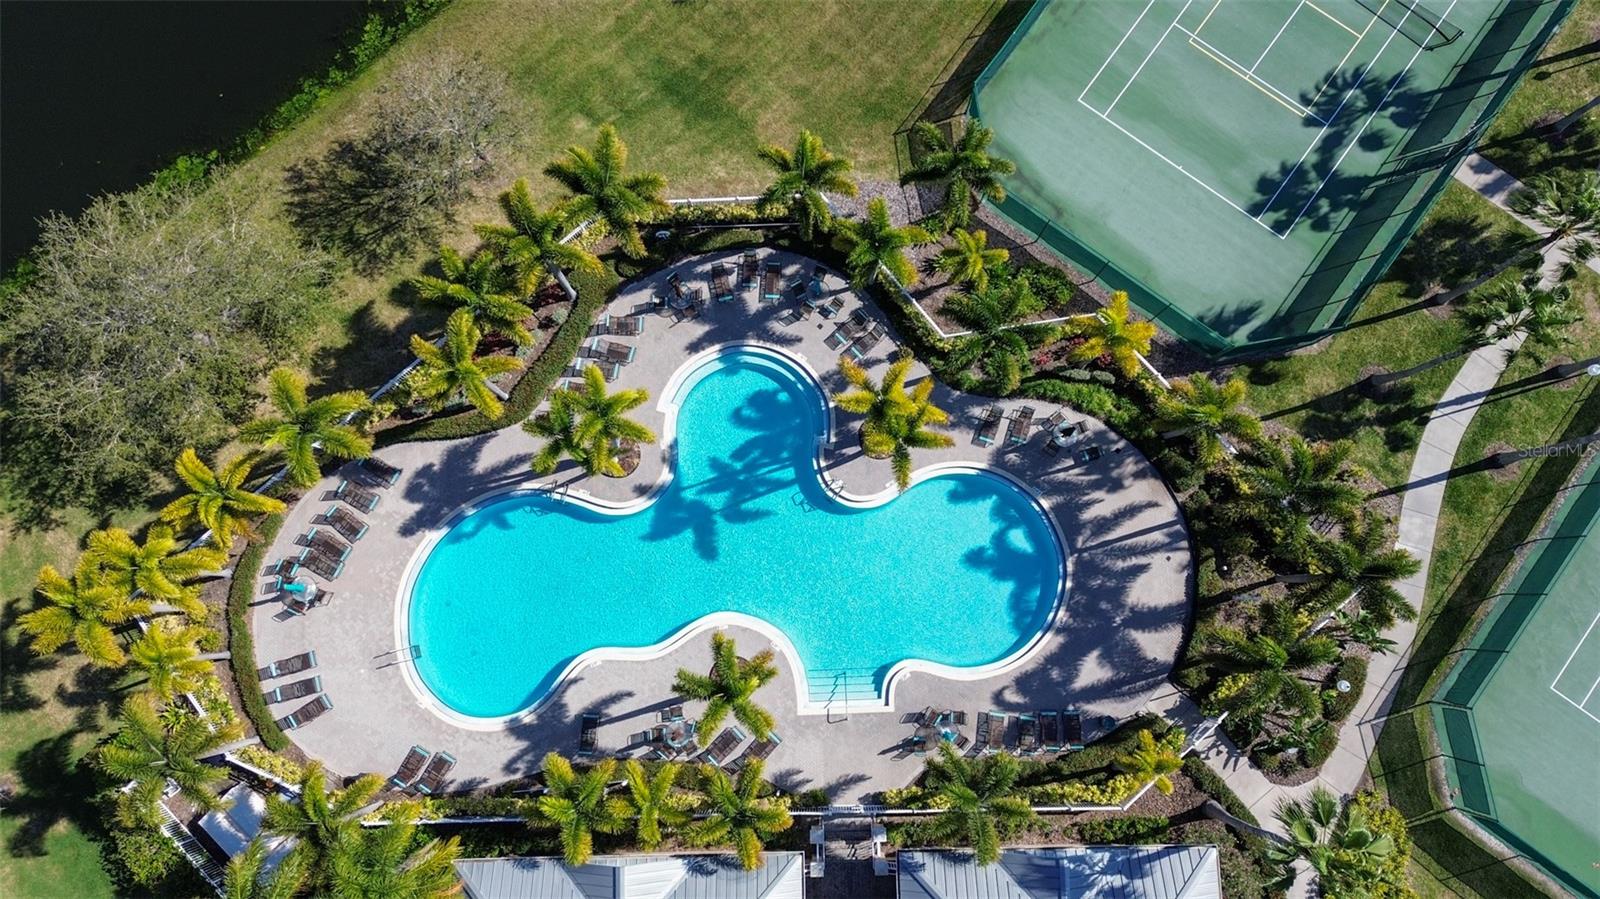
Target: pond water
94, 96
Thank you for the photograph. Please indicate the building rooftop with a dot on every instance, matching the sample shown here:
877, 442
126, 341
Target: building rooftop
782, 876
1079, 872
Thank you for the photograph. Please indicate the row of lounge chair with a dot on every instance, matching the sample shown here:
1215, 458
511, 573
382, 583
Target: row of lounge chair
299, 689
1019, 424
422, 771
1043, 731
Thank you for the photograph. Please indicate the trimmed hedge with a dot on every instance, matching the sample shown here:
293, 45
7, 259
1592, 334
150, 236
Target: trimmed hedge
594, 291
241, 644
1212, 784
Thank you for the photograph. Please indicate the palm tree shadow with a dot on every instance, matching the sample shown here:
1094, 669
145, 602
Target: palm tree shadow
52, 788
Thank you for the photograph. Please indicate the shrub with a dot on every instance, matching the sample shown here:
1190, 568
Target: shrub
1385, 819
1211, 783
481, 806
537, 379
1326, 743
284, 769
241, 644
1245, 874
1098, 400
1130, 829
1354, 670
813, 798
907, 797
1113, 791
146, 862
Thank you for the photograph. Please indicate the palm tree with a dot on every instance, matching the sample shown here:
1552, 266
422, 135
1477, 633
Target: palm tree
1346, 854
530, 245
802, 178
603, 193
1298, 482
578, 806
897, 420
969, 260
589, 424
964, 165
875, 250
1568, 206
303, 426
170, 661
1358, 626
160, 569
998, 344
1362, 567
729, 687
1112, 334
217, 500
1267, 662
654, 806
478, 286
246, 877
1522, 309
81, 611
558, 425
1153, 761
1208, 413
318, 818
380, 863
451, 369
738, 815
979, 797
150, 750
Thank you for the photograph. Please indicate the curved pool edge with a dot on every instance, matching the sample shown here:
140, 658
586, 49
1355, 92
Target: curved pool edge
671, 396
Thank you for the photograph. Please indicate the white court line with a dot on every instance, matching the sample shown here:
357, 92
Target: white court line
1281, 29
1115, 50
1338, 109
1356, 139
1251, 77
1346, 58
1576, 706
1213, 191
1564, 665
1135, 76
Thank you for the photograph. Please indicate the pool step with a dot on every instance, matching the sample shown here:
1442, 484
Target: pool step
840, 686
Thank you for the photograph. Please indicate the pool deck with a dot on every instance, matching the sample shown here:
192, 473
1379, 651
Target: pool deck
1113, 644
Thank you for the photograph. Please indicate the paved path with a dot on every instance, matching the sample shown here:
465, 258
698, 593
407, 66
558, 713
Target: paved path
1112, 645
1419, 519
1497, 185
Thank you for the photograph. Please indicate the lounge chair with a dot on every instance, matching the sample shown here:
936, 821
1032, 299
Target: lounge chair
747, 269
858, 323
758, 752
797, 313
299, 604
1089, 454
323, 565
864, 344
1050, 448
721, 283
345, 522
305, 661
327, 544
642, 738
958, 718
1027, 734
433, 776
381, 470
671, 713
619, 352
299, 689
991, 731
1056, 419
928, 717
769, 286
724, 745
838, 340
1050, 731
356, 495
306, 714
588, 733
962, 742
410, 767
832, 307
623, 325
1021, 425
608, 370
1072, 728
988, 425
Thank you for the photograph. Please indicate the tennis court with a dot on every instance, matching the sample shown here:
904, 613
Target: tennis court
1245, 168
1519, 715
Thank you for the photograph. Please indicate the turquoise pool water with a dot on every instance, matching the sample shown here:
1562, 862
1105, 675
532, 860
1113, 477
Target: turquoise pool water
961, 570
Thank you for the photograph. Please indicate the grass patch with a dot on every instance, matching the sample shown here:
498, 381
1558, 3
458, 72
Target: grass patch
1566, 77
1315, 393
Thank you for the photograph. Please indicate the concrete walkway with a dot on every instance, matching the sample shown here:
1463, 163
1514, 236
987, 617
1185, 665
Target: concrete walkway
1419, 520
1497, 185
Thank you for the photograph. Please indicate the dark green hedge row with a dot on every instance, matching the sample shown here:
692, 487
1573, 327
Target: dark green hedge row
241, 645
1212, 784
1354, 670
594, 291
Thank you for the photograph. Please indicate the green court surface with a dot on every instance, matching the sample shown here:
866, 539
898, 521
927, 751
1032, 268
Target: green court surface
1519, 716
1246, 169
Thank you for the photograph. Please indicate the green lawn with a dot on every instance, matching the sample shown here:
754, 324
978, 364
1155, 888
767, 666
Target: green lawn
1315, 392
1567, 77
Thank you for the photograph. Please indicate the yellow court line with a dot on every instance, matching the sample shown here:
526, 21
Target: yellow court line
1299, 113
1208, 16
1332, 18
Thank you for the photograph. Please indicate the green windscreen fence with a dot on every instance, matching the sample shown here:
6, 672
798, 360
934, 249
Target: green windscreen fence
1415, 22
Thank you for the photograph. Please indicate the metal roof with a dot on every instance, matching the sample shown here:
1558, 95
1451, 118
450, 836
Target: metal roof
1082, 872
782, 876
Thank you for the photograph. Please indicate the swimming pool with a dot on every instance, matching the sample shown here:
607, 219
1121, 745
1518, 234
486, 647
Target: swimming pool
962, 570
